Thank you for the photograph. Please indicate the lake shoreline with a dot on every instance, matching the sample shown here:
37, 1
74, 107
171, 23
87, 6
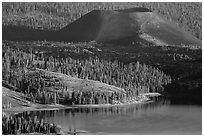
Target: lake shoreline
144, 98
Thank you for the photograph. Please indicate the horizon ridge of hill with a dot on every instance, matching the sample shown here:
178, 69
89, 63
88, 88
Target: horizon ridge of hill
126, 26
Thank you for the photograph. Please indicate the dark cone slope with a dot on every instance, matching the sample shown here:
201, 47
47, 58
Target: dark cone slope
128, 25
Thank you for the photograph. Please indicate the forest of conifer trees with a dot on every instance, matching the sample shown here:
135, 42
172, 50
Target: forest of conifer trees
19, 71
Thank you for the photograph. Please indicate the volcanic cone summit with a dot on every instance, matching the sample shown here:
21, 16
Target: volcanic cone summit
127, 25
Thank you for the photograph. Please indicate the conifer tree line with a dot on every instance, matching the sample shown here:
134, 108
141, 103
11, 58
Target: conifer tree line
134, 78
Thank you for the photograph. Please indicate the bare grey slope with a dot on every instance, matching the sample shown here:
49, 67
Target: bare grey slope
129, 24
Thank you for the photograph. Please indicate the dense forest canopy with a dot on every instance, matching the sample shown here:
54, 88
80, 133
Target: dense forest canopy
135, 78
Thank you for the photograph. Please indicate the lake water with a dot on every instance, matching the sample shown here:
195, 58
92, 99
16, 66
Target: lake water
159, 117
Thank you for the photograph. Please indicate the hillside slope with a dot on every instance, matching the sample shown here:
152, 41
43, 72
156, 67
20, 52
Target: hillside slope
17, 101
131, 25
56, 15
77, 84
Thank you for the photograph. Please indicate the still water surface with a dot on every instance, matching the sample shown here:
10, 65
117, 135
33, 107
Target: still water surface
159, 117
